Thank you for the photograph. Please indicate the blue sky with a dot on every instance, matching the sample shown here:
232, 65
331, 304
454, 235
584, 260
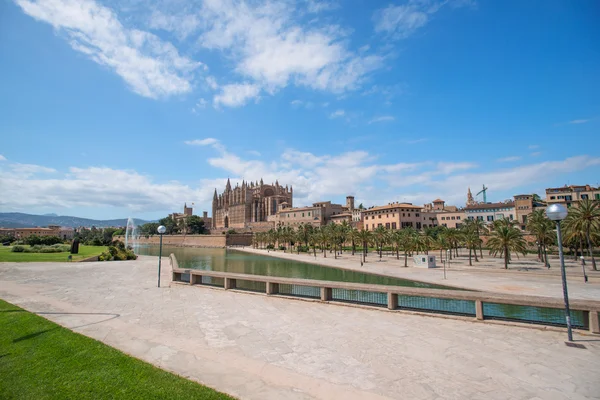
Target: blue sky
113, 109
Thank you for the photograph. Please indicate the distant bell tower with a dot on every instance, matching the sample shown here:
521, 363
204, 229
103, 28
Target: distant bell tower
350, 203
470, 200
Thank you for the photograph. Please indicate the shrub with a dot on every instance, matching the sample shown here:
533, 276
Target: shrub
282, 247
270, 246
18, 249
231, 232
303, 249
7, 239
105, 256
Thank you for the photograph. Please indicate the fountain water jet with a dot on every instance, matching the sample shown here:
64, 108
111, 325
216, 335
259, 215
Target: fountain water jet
131, 235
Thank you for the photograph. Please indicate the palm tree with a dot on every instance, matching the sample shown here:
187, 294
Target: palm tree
543, 229
322, 236
504, 240
480, 229
365, 238
471, 241
354, 237
380, 235
586, 217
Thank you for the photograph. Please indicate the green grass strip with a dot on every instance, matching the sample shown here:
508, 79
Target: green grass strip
42, 360
84, 252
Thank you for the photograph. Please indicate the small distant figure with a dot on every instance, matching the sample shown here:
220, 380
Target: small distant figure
70, 258
361, 263
75, 246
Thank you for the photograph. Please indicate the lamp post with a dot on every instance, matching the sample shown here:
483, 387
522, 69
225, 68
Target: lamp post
558, 212
161, 230
585, 278
445, 264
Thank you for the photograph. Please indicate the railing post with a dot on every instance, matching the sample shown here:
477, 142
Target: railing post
594, 321
479, 309
194, 279
392, 301
229, 283
326, 294
272, 288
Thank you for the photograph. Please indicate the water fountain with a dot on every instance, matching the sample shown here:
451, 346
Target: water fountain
131, 235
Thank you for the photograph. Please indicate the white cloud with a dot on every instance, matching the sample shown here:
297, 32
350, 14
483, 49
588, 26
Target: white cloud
447, 168
200, 105
337, 114
236, 95
254, 153
579, 121
384, 118
302, 104
415, 141
533, 146
536, 154
271, 48
509, 159
2, 158
317, 6
97, 187
401, 21
202, 142
151, 67
18, 170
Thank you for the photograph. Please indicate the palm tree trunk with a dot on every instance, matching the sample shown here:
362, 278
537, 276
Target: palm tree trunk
397, 252
405, 259
590, 249
546, 263
470, 265
475, 253
505, 257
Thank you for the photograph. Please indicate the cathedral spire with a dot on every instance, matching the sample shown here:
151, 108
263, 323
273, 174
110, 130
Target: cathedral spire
228, 186
215, 195
261, 182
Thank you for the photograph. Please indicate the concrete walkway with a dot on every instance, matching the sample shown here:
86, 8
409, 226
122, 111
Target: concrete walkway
514, 281
259, 347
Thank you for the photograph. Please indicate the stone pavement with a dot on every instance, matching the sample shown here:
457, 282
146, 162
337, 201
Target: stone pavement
258, 347
513, 281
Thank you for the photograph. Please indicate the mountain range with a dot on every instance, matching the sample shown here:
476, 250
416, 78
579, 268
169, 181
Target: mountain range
21, 220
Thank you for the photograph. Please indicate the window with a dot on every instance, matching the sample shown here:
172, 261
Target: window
458, 217
418, 225
409, 214
453, 218
445, 225
470, 218
443, 218
490, 218
387, 225
294, 215
393, 225
510, 217
393, 215
309, 213
417, 214
597, 195
303, 214
380, 216
387, 215
479, 218
584, 197
404, 215
378, 225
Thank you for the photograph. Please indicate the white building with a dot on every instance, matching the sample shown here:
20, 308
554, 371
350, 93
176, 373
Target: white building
490, 212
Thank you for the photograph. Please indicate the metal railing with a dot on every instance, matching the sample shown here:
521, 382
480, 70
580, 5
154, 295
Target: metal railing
480, 305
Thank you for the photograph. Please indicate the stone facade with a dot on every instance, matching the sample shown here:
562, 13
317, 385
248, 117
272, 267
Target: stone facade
572, 195
398, 216
249, 204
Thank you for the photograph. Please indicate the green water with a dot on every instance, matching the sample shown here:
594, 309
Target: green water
254, 264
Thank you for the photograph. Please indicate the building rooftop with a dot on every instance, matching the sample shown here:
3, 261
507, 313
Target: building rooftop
438, 201
488, 206
392, 206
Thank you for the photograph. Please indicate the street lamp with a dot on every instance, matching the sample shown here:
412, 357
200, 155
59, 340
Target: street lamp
161, 230
558, 212
446, 258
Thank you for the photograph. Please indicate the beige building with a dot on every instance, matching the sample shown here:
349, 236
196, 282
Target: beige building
525, 205
444, 215
571, 195
321, 213
65, 233
250, 205
397, 216
490, 212
188, 212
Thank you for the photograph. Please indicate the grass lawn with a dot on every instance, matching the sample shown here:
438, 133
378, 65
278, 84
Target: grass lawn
84, 252
42, 360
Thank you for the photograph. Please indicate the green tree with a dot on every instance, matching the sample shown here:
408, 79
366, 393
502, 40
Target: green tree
539, 225
364, 237
195, 225
380, 236
505, 240
586, 218
169, 224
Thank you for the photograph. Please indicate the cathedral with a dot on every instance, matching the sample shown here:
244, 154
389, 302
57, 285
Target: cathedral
249, 205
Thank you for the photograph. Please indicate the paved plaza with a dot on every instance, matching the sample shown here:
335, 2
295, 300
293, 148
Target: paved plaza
258, 347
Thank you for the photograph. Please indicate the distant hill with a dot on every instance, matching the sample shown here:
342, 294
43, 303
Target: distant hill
21, 220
